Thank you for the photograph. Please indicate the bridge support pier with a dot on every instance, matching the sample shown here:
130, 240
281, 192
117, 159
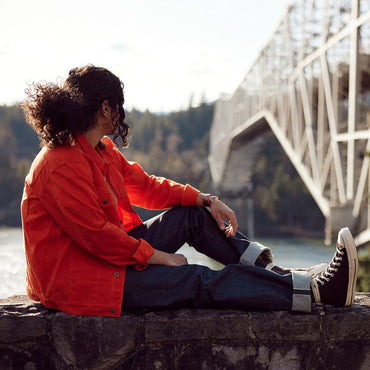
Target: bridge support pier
340, 216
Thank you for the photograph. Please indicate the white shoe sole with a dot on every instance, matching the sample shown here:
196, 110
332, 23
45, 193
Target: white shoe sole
350, 247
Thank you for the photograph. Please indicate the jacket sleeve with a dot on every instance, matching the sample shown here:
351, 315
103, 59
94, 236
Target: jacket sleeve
152, 192
76, 206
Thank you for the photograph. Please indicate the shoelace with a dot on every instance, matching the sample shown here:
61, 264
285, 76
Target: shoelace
333, 267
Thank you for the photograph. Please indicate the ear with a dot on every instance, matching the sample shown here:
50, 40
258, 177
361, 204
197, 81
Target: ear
104, 108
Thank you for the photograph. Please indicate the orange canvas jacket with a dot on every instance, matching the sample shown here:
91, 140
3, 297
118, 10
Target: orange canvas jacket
76, 209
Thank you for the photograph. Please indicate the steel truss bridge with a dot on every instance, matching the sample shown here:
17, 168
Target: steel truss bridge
310, 86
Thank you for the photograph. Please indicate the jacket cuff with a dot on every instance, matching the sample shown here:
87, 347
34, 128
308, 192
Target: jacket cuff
190, 195
143, 252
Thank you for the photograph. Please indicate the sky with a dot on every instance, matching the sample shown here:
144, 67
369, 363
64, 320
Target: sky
168, 53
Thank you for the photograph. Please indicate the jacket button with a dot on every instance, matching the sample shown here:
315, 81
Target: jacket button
116, 274
112, 310
105, 201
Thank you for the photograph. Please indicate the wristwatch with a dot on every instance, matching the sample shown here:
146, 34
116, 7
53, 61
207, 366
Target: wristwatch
209, 199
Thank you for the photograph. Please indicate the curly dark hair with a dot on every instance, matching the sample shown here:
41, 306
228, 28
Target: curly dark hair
58, 113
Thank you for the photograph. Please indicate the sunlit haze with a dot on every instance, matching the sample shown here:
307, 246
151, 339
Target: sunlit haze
165, 51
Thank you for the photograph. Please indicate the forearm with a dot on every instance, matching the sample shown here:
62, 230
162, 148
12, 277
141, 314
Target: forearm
153, 192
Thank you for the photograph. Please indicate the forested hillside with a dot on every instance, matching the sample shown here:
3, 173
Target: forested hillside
173, 145
18, 145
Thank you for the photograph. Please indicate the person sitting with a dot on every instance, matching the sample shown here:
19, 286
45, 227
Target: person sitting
89, 253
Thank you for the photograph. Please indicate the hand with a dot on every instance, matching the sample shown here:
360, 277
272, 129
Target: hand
221, 211
168, 259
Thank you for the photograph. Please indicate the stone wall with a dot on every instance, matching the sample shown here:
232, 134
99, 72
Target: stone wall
32, 337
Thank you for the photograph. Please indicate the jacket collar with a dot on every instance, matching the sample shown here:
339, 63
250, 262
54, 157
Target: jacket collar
96, 154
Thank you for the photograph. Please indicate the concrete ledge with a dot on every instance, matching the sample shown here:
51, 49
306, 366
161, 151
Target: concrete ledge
32, 337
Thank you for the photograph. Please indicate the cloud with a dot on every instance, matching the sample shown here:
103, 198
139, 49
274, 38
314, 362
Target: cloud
202, 70
6, 50
121, 47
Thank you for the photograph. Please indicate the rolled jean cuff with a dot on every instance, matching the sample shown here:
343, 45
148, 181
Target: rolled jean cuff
255, 250
301, 300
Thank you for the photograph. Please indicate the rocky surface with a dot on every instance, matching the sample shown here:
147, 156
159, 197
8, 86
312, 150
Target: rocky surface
32, 337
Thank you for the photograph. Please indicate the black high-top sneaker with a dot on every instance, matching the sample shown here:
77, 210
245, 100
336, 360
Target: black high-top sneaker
336, 285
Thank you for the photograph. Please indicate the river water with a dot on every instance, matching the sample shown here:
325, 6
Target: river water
287, 253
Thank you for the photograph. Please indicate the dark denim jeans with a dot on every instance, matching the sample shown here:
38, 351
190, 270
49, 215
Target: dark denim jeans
236, 286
